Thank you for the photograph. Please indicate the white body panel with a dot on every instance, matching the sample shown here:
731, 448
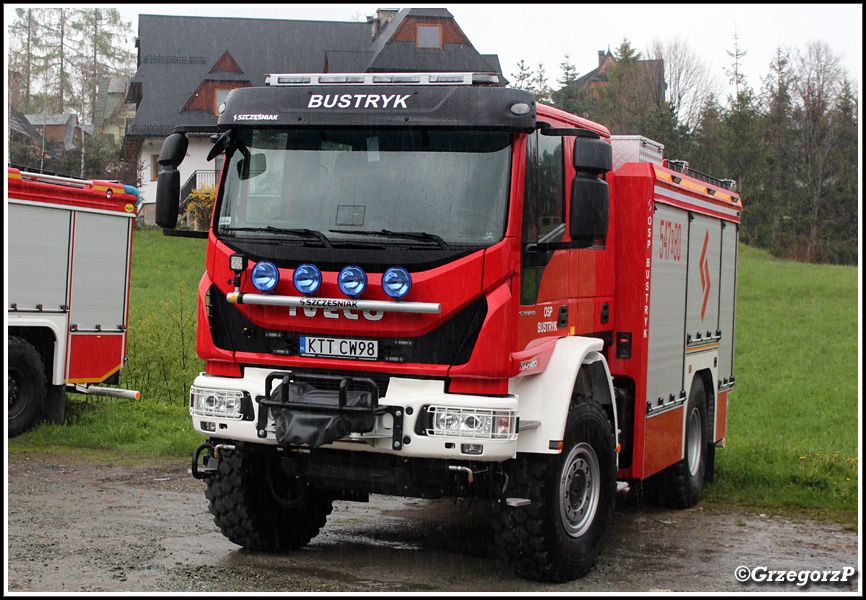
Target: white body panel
99, 274
545, 397
38, 262
409, 394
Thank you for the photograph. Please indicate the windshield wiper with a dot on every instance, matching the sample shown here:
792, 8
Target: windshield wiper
412, 235
302, 232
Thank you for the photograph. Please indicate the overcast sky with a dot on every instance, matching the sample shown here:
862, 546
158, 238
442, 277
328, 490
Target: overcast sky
546, 32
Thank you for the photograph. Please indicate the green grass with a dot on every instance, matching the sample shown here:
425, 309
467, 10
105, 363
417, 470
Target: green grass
793, 433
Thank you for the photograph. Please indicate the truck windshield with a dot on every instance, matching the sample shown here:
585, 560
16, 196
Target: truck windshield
422, 186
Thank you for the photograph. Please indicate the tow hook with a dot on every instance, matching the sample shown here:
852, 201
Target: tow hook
470, 476
212, 459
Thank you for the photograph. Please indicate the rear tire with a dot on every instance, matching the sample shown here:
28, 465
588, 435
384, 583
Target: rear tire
681, 485
559, 535
26, 386
257, 504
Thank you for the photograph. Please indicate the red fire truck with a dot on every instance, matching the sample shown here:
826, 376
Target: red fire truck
429, 285
69, 243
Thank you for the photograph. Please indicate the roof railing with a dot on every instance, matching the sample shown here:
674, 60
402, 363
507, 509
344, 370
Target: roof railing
298, 79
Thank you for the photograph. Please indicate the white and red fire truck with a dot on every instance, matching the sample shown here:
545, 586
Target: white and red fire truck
69, 243
429, 285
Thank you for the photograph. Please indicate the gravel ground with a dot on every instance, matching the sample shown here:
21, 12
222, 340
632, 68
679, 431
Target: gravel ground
77, 525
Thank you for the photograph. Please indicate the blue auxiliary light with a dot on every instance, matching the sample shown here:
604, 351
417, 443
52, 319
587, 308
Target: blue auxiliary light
265, 276
307, 279
396, 282
352, 281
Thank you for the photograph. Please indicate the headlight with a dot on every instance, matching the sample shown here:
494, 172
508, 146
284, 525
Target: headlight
265, 276
307, 279
396, 282
475, 423
220, 404
352, 281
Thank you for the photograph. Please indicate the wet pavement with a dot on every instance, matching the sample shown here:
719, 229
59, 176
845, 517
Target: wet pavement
75, 525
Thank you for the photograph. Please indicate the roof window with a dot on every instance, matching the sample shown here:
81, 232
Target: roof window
429, 37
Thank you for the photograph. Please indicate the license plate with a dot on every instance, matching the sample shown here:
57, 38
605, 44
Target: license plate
340, 347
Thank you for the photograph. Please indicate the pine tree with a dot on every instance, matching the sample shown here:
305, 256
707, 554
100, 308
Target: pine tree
777, 140
569, 72
522, 80
101, 29
27, 49
539, 85
59, 58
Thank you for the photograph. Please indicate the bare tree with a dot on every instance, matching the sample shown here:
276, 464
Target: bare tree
690, 83
817, 77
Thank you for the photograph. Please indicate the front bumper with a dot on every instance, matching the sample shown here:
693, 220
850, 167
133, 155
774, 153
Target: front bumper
399, 418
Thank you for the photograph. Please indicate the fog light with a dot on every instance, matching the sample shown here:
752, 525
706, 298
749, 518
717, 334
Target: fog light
474, 449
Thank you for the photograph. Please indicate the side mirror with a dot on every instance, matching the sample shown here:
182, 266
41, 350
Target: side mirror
168, 181
592, 155
173, 150
167, 197
590, 199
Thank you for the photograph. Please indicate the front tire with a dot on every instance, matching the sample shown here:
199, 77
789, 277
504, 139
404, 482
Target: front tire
558, 536
257, 504
26, 386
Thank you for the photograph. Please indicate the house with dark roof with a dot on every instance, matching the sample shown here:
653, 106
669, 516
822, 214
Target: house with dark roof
187, 65
62, 131
111, 111
606, 60
21, 129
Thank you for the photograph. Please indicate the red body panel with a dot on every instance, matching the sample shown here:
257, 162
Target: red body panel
637, 187
93, 358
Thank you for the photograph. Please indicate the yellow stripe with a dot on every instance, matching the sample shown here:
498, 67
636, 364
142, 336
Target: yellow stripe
701, 348
699, 188
97, 380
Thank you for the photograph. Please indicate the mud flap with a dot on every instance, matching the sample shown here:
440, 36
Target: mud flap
306, 415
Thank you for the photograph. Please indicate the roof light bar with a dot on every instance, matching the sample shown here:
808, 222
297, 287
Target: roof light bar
289, 79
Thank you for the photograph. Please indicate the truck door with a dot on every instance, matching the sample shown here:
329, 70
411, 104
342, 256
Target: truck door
544, 274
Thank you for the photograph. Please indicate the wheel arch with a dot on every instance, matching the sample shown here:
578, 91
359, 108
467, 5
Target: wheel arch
706, 376
545, 400
49, 339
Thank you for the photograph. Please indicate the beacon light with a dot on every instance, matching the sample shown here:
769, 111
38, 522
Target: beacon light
396, 282
265, 276
307, 279
352, 281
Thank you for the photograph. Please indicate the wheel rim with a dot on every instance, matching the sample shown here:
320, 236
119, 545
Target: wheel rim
579, 489
15, 404
693, 441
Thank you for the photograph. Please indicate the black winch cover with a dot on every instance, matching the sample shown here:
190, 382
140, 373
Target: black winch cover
316, 418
